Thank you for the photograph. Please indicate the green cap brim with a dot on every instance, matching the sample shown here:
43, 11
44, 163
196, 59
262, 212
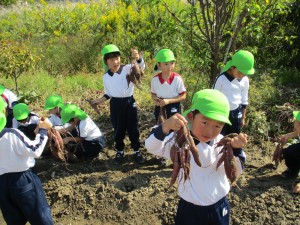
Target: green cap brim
2, 121
212, 116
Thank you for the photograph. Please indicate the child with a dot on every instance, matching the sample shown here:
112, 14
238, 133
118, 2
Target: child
90, 138
54, 104
123, 109
291, 154
11, 99
203, 196
22, 198
167, 87
234, 83
24, 120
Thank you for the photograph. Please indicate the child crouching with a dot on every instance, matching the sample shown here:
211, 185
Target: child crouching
90, 140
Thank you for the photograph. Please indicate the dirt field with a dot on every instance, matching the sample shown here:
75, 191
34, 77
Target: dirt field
97, 192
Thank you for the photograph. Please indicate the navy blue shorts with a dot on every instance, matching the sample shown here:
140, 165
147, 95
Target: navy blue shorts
22, 199
216, 214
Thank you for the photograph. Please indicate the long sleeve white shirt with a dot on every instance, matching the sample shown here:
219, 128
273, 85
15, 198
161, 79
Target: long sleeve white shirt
17, 152
207, 184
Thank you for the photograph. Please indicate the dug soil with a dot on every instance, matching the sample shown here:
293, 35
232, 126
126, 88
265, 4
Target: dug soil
98, 192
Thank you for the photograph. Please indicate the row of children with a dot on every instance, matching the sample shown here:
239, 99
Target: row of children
203, 196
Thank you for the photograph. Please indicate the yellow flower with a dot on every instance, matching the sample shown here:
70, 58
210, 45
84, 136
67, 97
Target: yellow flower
56, 33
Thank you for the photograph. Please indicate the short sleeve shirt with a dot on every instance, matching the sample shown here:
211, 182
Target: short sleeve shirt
170, 88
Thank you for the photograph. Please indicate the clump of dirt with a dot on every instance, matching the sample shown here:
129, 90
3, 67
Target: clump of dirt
98, 192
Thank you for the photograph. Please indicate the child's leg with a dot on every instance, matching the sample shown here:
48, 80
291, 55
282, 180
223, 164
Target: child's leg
217, 214
11, 213
27, 198
132, 125
90, 148
292, 158
118, 117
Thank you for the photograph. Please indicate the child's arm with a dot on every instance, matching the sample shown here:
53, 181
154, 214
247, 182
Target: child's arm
155, 99
136, 56
157, 143
284, 138
36, 147
75, 139
165, 101
243, 120
99, 101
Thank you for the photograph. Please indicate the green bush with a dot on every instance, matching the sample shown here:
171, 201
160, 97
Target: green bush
7, 2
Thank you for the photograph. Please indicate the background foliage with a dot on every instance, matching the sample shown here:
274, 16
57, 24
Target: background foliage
65, 39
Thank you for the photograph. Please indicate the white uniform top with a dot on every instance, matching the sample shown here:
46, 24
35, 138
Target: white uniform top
115, 84
10, 96
17, 152
170, 88
235, 90
34, 119
57, 123
207, 184
88, 130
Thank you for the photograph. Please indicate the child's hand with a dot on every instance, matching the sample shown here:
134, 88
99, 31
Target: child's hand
163, 102
283, 139
134, 54
45, 123
175, 122
239, 141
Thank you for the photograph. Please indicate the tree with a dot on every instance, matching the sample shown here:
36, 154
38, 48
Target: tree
216, 25
15, 59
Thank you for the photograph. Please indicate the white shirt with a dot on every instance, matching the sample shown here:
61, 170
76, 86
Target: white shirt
10, 96
167, 89
207, 184
57, 123
34, 119
17, 152
235, 90
115, 84
88, 130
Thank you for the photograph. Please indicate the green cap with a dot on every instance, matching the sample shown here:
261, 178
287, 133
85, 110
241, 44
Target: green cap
2, 88
71, 111
108, 49
296, 115
243, 61
21, 111
164, 55
53, 101
3, 104
2, 121
212, 104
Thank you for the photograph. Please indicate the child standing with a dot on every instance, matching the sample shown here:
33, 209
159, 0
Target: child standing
11, 99
167, 87
90, 139
234, 83
123, 108
22, 198
291, 154
24, 120
203, 196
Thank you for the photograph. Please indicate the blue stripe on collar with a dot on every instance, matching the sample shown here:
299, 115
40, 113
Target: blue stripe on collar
110, 73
